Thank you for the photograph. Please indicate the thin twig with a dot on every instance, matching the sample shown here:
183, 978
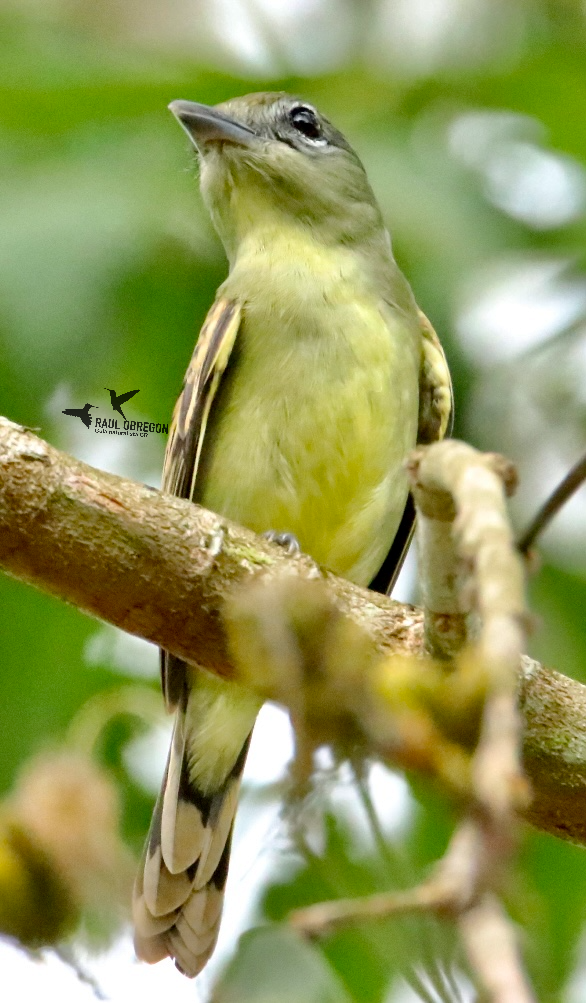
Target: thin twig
550, 508
492, 948
397, 866
487, 934
448, 891
334, 882
326, 916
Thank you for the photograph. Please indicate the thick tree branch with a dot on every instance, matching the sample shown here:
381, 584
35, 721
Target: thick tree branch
153, 565
161, 568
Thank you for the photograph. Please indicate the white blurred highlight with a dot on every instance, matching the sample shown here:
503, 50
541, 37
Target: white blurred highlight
131, 656
516, 305
539, 187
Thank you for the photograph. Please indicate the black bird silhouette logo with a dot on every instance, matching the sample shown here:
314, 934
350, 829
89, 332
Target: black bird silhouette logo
117, 401
81, 412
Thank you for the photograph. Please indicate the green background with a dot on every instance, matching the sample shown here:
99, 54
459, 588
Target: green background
108, 265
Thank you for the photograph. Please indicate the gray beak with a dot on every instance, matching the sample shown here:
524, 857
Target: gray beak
205, 125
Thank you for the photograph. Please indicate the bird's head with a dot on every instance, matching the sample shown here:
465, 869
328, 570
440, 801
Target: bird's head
268, 160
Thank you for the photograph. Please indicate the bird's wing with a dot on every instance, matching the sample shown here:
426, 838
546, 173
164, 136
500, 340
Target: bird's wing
436, 418
436, 396
208, 362
178, 894
187, 432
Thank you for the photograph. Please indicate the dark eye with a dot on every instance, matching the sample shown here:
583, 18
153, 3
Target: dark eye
305, 121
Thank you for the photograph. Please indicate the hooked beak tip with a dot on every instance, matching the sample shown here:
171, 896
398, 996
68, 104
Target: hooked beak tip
205, 125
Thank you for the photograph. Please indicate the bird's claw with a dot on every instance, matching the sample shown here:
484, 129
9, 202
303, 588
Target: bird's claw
288, 541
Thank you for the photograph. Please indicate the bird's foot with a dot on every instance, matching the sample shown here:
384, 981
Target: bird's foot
288, 541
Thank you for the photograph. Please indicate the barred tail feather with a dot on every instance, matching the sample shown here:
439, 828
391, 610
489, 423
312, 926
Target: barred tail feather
193, 936
179, 891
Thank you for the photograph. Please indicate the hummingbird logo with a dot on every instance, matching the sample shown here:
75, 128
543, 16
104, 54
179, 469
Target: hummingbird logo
117, 401
81, 412
109, 426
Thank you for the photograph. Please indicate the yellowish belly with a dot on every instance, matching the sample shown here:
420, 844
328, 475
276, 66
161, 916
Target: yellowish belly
310, 431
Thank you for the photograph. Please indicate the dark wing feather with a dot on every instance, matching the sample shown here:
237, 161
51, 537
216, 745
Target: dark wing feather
436, 418
208, 362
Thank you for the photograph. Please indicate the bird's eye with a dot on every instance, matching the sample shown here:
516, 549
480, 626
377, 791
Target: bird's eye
305, 121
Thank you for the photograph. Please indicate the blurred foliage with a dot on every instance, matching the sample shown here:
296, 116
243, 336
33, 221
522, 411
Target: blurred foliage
367, 957
61, 856
469, 118
275, 964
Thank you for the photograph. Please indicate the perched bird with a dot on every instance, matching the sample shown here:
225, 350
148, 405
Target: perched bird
118, 401
313, 377
81, 412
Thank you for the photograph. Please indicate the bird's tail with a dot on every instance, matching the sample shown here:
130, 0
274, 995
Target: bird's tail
179, 891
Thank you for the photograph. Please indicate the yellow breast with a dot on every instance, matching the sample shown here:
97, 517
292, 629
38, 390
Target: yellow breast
318, 409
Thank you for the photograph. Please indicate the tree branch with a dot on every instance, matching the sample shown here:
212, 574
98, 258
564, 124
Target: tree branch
464, 493
152, 564
162, 568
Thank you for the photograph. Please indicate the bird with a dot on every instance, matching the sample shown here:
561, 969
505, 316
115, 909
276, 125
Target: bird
117, 401
82, 412
314, 375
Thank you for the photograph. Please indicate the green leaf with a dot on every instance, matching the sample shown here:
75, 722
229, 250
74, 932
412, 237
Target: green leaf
274, 965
